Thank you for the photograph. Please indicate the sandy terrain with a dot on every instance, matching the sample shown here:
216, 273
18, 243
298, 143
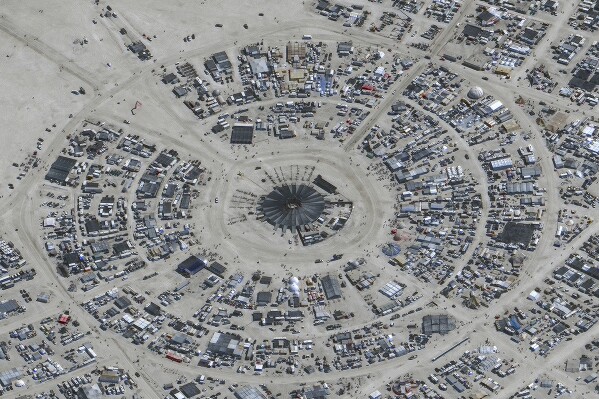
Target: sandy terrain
43, 61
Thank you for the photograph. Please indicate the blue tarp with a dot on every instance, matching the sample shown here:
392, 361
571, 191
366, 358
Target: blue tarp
514, 323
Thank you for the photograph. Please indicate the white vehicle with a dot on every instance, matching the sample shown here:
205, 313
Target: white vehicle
307, 37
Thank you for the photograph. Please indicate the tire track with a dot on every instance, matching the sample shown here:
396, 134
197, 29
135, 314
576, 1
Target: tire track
49, 53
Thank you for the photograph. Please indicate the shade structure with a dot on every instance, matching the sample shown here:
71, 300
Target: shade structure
291, 206
391, 249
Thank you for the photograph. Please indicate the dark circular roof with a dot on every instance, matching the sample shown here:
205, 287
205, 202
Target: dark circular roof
292, 205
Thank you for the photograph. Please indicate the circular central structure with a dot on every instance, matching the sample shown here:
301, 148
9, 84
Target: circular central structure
291, 206
293, 203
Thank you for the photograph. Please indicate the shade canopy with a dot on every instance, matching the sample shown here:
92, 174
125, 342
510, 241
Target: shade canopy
291, 206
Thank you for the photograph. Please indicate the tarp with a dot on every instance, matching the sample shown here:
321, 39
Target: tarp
514, 323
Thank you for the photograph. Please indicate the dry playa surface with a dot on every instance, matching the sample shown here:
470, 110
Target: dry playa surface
66, 67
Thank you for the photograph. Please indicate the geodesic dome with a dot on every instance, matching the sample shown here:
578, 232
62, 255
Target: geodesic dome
475, 93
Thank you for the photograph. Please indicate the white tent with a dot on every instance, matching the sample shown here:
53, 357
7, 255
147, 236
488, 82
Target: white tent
294, 288
534, 296
375, 395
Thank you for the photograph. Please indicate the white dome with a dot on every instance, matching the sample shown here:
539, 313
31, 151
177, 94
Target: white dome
475, 93
20, 383
293, 280
294, 288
